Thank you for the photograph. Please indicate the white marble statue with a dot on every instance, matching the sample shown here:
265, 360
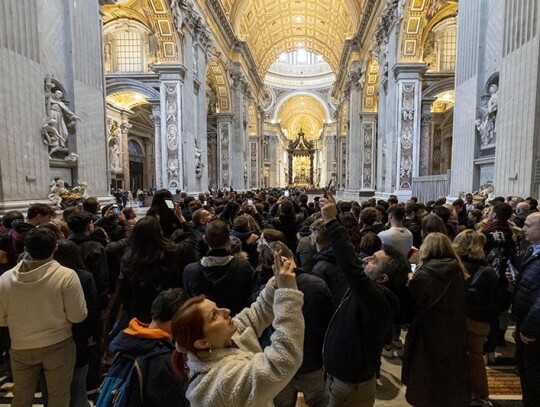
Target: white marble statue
61, 113
57, 189
52, 138
199, 166
486, 125
114, 155
82, 189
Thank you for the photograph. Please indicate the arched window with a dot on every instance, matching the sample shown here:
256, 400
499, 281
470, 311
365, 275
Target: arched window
440, 46
135, 149
126, 46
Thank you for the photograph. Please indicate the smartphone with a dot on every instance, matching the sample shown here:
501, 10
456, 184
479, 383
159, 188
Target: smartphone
169, 203
413, 268
287, 193
250, 202
116, 211
205, 203
329, 184
512, 269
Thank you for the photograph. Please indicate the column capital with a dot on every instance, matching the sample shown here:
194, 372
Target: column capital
412, 70
170, 71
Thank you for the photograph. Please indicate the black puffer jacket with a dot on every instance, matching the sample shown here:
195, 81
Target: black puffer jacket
526, 306
356, 334
223, 278
482, 291
326, 267
318, 309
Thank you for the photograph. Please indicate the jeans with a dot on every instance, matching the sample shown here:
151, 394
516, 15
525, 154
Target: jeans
310, 384
528, 362
78, 387
477, 333
341, 394
57, 361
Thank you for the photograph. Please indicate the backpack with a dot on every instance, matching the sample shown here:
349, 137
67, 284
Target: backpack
124, 384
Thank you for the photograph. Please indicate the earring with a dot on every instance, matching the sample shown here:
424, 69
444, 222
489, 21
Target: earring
209, 350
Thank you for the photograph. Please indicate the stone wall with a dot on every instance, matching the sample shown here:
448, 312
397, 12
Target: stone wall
62, 39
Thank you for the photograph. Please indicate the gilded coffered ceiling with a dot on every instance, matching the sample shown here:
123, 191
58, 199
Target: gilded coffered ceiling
302, 112
272, 27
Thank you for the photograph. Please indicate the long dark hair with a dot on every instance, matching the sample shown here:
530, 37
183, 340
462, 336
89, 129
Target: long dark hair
146, 244
158, 202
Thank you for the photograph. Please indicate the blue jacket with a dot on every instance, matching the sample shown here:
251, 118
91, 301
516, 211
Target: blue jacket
526, 306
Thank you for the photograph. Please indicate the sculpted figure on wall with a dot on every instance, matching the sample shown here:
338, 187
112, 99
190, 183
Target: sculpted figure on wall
486, 125
53, 139
61, 113
114, 156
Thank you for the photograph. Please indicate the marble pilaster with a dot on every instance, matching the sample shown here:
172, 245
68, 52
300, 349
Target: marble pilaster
253, 162
409, 85
224, 126
238, 145
158, 163
369, 152
425, 136
354, 140
172, 125
329, 172
124, 151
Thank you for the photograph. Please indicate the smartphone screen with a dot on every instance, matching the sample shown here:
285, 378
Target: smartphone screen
413, 267
250, 202
205, 203
116, 211
169, 203
286, 193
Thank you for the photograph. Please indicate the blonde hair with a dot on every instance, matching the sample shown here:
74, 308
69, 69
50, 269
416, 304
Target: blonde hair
268, 256
470, 243
439, 246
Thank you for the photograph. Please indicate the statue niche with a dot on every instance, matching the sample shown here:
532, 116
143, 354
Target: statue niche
485, 125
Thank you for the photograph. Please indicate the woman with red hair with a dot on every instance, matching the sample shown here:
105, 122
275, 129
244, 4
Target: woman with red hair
221, 356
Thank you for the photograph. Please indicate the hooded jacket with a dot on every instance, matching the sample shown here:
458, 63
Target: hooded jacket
15, 242
162, 388
326, 267
223, 278
39, 301
245, 375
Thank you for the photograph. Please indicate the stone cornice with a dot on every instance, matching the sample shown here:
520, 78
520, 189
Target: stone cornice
234, 43
352, 45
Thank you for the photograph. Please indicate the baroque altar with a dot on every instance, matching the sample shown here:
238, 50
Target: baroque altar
301, 153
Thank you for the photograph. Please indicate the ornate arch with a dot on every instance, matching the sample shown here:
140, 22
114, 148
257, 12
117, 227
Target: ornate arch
290, 95
117, 85
216, 78
154, 14
420, 17
370, 94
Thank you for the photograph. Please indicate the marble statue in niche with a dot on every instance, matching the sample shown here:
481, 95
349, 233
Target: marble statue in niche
114, 155
486, 125
61, 113
199, 165
53, 139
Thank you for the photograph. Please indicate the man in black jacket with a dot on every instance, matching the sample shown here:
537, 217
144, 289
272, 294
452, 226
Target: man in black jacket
161, 387
526, 311
356, 334
93, 253
224, 278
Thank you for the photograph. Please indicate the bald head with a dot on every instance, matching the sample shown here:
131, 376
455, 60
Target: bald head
532, 228
522, 210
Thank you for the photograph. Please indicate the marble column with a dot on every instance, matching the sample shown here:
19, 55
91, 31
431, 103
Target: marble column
369, 152
329, 171
354, 140
273, 159
224, 126
238, 147
158, 164
253, 162
124, 151
148, 165
172, 120
425, 136
409, 84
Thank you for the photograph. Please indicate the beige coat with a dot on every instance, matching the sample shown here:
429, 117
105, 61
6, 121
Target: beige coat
247, 376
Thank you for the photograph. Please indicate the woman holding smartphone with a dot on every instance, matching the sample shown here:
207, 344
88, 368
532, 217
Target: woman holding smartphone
167, 211
221, 356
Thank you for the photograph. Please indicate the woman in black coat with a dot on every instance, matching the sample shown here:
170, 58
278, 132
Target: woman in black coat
435, 366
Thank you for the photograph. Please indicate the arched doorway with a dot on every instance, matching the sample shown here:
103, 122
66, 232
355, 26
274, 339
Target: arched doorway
136, 165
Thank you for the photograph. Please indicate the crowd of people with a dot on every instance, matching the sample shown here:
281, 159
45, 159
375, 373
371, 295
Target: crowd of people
248, 298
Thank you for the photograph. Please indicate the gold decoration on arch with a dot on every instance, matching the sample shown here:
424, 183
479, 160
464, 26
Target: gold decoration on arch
302, 112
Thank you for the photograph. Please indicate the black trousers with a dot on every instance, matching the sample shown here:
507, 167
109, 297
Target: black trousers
528, 362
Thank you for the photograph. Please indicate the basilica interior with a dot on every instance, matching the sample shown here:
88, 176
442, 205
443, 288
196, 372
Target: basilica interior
419, 98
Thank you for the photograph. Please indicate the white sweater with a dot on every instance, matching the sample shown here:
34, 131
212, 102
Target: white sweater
39, 304
247, 376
